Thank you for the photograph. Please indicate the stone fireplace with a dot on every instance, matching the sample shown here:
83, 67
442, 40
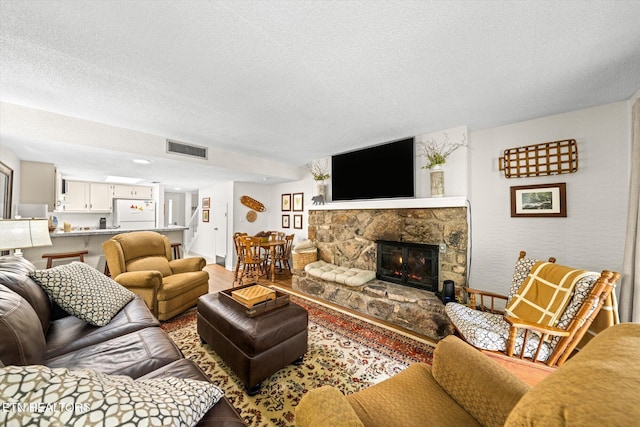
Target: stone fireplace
348, 237
409, 264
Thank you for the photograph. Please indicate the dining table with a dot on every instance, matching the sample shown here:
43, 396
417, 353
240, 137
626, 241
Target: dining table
272, 245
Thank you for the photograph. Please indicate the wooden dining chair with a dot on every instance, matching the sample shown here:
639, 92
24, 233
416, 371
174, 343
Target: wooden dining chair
254, 263
283, 253
239, 255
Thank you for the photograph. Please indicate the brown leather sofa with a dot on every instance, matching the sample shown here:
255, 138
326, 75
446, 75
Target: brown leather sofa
141, 261
36, 331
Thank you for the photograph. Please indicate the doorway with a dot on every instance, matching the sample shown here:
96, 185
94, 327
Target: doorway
219, 218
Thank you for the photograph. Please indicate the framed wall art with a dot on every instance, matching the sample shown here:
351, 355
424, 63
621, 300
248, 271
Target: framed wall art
285, 202
298, 202
206, 202
285, 221
297, 221
205, 215
544, 200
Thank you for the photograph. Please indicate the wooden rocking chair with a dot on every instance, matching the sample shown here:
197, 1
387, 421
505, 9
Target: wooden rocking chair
549, 342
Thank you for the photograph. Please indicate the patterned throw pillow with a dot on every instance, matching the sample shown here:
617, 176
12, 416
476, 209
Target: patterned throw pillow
83, 291
39, 395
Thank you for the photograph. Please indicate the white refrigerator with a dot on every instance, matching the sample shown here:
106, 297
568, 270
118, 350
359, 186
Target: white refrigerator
134, 214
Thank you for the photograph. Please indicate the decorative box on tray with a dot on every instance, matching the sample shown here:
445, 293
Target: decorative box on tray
254, 299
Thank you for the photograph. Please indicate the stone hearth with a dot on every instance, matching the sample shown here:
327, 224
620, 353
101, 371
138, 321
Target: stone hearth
417, 310
347, 237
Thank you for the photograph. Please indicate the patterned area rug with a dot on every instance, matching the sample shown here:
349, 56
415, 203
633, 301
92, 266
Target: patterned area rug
344, 351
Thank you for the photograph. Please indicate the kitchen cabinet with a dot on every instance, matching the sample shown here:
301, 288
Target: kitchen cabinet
87, 197
132, 192
37, 184
100, 197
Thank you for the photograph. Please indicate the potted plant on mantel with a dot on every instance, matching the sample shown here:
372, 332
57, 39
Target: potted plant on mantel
436, 154
320, 173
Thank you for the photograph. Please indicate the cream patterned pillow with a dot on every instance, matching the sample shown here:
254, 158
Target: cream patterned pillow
83, 291
40, 395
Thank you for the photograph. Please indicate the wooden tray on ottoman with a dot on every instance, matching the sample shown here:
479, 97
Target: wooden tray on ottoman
254, 301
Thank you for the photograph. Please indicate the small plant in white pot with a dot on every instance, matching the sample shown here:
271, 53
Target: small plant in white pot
436, 154
320, 172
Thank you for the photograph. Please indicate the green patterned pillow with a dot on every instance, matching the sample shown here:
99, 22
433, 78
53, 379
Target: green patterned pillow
40, 395
83, 291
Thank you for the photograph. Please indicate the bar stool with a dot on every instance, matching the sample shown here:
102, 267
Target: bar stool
176, 250
62, 255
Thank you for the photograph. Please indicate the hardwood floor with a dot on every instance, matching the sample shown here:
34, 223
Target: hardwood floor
220, 278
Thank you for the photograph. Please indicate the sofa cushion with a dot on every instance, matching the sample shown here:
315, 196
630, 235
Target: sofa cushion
490, 331
94, 398
134, 354
21, 337
545, 293
150, 263
596, 387
71, 333
342, 275
310, 412
23, 285
411, 398
478, 384
84, 292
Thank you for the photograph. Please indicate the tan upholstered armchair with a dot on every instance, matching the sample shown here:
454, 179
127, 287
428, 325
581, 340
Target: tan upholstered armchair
141, 261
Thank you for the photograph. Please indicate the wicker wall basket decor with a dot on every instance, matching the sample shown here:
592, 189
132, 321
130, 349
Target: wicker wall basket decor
548, 158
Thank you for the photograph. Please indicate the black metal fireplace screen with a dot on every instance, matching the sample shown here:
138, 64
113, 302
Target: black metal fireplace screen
410, 264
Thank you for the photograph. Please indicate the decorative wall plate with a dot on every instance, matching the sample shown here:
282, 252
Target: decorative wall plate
252, 216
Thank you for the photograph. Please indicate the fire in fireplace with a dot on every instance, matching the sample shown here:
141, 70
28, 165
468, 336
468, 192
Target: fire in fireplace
409, 264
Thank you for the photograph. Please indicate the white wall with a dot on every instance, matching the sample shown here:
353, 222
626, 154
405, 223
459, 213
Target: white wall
307, 186
592, 236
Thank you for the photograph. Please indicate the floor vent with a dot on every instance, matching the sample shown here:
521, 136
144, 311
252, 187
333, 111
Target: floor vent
186, 149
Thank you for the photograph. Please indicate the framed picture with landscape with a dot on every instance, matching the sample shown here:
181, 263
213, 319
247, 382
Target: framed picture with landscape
544, 200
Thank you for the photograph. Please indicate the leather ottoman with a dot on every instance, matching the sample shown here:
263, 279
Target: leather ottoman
254, 347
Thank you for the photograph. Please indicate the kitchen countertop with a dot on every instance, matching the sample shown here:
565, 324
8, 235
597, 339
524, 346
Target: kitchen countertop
99, 232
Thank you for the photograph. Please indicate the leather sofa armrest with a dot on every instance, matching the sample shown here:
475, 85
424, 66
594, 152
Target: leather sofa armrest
326, 406
140, 279
186, 265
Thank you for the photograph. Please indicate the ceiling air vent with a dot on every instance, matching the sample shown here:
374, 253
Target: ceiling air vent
186, 149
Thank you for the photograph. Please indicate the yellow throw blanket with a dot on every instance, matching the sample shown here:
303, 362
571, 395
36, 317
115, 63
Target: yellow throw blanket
608, 316
545, 293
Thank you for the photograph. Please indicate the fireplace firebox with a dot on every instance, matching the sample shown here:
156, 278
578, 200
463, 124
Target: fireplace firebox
409, 264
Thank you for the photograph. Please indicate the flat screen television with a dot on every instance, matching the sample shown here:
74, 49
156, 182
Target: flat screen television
379, 172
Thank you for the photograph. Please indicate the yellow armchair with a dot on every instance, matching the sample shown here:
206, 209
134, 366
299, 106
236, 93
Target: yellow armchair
142, 262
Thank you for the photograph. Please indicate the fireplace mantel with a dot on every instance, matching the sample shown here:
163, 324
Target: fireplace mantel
429, 202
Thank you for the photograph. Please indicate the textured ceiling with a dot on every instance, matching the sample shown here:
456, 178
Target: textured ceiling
290, 81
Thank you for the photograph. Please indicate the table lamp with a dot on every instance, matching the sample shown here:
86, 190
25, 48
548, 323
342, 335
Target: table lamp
23, 233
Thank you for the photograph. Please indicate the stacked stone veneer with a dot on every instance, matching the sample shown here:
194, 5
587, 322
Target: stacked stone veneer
348, 238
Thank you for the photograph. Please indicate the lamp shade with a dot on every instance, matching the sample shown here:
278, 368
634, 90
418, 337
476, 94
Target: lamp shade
24, 233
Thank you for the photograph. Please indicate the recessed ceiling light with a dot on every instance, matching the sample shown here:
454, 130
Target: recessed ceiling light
122, 180
142, 161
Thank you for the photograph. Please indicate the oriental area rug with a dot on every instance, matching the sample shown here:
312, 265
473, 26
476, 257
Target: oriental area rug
343, 351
